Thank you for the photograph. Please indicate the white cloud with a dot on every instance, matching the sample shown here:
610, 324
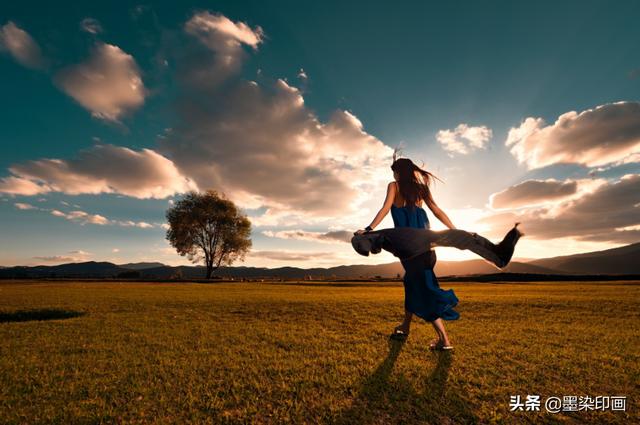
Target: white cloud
21, 46
108, 83
264, 147
82, 217
130, 223
533, 192
285, 255
608, 211
99, 169
91, 25
464, 139
225, 38
55, 258
23, 206
325, 237
606, 134
219, 32
70, 257
259, 143
80, 252
12, 185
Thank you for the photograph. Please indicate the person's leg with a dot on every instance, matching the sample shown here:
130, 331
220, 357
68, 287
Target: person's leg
499, 254
439, 338
462, 239
438, 325
408, 243
405, 326
436, 328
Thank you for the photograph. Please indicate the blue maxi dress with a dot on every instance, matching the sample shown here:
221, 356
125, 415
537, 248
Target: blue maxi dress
422, 293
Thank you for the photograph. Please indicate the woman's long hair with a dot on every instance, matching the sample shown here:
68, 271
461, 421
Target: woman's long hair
414, 182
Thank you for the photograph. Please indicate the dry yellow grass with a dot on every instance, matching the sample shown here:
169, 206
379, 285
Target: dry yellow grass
277, 353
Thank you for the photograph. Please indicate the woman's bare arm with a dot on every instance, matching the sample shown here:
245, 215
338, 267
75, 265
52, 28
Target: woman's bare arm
441, 215
391, 193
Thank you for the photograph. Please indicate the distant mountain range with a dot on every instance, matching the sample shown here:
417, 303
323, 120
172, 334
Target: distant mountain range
618, 261
622, 260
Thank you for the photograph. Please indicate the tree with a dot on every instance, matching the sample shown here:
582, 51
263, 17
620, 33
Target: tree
209, 227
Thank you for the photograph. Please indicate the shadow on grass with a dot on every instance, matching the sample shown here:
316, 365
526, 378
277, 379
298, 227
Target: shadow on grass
40, 314
383, 399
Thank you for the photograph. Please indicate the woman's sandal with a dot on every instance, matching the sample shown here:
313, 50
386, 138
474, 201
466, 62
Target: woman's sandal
436, 344
399, 334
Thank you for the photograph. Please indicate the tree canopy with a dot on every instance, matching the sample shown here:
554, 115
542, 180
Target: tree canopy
207, 226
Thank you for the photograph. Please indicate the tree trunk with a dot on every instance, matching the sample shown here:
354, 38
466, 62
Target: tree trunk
209, 271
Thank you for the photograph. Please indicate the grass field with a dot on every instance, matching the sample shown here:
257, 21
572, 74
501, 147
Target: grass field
310, 353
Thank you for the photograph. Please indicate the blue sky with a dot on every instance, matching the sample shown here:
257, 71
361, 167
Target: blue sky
450, 82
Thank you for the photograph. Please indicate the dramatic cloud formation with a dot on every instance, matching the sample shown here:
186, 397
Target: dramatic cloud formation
609, 213
21, 46
605, 134
99, 169
532, 192
90, 25
464, 139
218, 34
326, 237
265, 148
108, 83
260, 144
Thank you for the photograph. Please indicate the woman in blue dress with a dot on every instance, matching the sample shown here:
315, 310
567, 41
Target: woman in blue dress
423, 295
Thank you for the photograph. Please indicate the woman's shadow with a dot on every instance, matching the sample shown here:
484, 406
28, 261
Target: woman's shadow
385, 400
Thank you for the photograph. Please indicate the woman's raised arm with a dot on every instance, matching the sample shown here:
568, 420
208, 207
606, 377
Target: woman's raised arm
388, 201
441, 215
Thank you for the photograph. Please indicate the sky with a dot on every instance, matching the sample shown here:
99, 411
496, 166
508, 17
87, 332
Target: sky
527, 111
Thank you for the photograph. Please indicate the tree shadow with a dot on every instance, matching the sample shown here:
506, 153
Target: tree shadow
383, 399
40, 314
